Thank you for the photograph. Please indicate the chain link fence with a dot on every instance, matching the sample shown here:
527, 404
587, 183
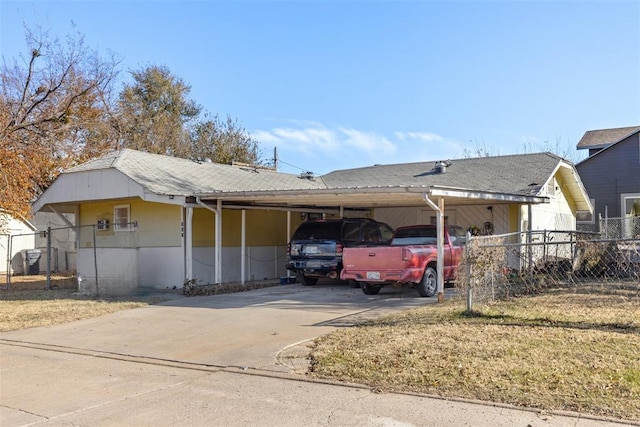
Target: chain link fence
50, 253
594, 276
130, 259
620, 228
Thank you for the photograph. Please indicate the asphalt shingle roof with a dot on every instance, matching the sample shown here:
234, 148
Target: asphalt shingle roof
601, 138
175, 176
516, 174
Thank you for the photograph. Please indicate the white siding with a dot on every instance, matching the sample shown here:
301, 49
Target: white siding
124, 271
117, 271
18, 244
261, 262
160, 267
462, 215
94, 185
555, 215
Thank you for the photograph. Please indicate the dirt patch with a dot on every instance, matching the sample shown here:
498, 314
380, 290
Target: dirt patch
192, 289
62, 280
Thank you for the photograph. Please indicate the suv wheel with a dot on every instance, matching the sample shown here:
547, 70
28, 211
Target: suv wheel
306, 281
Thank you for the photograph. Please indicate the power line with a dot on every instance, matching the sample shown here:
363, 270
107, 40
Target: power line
276, 160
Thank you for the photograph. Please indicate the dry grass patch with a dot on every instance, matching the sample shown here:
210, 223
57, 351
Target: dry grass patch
515, 352
28, 305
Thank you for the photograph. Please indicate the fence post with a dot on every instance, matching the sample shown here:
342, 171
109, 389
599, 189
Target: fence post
8, 261
9, 256
49, 258
95, 259
469, 287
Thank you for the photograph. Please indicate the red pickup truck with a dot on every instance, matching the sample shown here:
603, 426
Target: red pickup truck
410, 258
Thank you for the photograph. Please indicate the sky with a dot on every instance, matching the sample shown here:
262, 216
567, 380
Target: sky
348, 84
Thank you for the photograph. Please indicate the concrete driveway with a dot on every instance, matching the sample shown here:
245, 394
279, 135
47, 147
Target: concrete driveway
218, 360
245, 329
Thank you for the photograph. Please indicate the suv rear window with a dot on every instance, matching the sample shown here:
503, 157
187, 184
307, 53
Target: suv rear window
318, 231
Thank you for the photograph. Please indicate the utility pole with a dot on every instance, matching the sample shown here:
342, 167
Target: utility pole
275, 158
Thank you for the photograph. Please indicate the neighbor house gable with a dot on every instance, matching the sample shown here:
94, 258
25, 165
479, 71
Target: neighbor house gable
596, 140
612, 177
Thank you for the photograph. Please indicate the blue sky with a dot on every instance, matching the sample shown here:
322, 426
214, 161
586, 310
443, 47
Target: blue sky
345, 84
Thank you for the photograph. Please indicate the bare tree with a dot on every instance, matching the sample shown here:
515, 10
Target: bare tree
51, 113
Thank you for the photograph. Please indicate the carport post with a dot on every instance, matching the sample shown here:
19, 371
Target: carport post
288, 235
188, 233
439, 208
217, 211
218, 218
243, 245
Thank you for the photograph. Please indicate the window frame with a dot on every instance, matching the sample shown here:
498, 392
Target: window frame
117, 224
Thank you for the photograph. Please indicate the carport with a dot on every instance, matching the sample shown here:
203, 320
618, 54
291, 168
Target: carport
344, 199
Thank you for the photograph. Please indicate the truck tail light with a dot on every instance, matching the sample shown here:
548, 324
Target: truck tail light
410, 259
339, 248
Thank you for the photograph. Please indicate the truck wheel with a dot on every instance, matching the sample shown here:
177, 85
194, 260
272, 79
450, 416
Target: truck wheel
370, 289
306, 281
429, 283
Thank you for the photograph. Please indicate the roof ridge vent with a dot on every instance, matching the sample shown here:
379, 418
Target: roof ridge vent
441, 166
307, 175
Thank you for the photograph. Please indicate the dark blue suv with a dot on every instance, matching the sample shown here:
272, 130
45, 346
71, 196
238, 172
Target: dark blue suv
315, 250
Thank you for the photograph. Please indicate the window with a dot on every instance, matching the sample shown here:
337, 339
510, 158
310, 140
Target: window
551, 188
631, 215
121, 217
631, 204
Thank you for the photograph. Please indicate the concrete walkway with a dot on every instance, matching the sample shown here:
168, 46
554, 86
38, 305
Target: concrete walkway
234, 359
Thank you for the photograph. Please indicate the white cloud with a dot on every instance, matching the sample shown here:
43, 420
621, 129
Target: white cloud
305, 140
370, 142
422, 136
321, 149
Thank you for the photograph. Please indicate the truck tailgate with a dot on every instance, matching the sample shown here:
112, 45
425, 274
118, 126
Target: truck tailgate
375, 264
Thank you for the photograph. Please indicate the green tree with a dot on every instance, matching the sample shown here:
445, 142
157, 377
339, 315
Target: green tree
154, 113
224, 141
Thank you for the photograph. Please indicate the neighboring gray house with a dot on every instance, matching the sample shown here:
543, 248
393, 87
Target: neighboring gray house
611, 176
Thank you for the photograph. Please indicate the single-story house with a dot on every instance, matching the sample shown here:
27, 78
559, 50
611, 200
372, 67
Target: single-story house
152, 221
611, 176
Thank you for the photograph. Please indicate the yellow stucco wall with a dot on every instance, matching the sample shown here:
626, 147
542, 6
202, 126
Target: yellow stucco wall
159, 225
514, 218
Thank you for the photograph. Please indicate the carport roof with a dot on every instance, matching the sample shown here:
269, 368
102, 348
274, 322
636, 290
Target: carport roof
514, 178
